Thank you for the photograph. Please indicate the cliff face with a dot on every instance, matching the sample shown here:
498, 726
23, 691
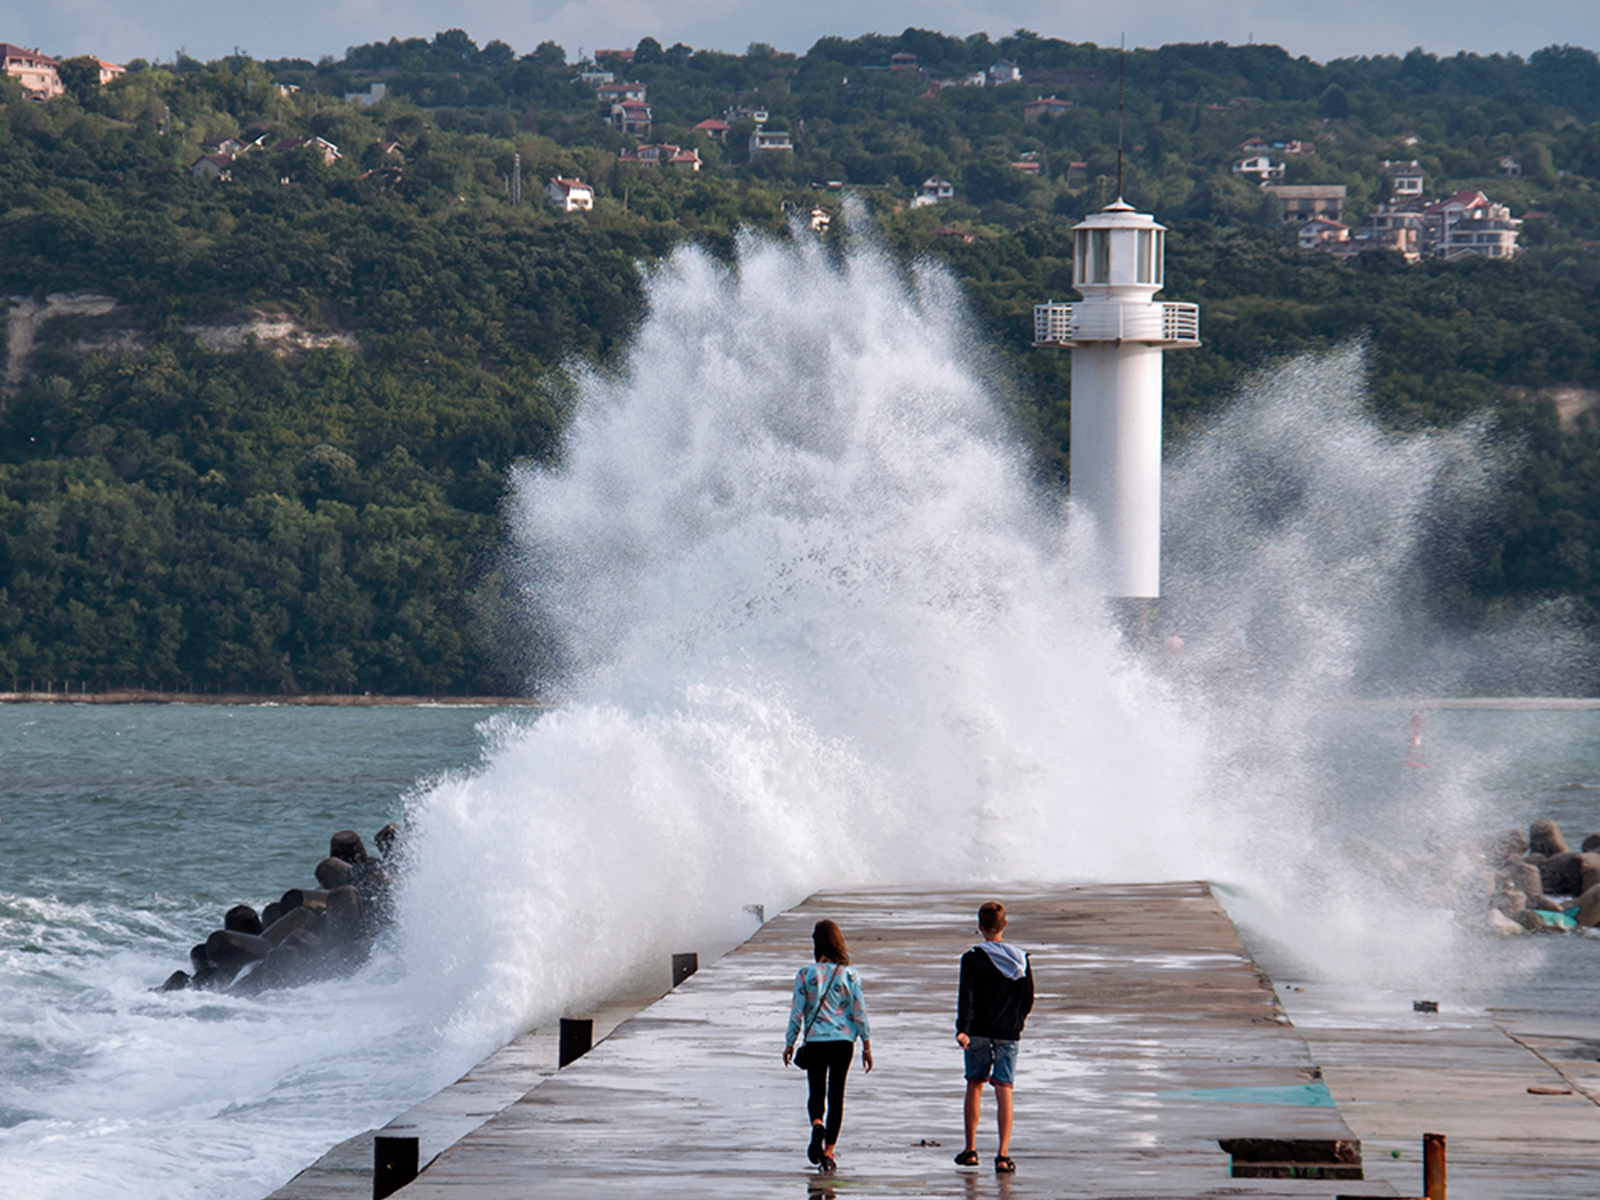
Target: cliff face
90, 323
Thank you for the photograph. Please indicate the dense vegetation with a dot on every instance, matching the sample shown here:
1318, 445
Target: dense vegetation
177, 516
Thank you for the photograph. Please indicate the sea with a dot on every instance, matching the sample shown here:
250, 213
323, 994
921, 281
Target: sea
126, 831
808, 616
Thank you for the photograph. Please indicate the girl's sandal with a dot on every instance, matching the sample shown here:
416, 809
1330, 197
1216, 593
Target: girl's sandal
814, 1150
827, 1165
1003, 1165
967, 1158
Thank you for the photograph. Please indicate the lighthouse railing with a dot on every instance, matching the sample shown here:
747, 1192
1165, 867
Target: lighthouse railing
1057, 324
1180, 323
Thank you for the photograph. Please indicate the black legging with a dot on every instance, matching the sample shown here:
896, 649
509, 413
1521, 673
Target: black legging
830, 1063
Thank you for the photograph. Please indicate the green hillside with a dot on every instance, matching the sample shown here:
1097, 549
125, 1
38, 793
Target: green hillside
272, 456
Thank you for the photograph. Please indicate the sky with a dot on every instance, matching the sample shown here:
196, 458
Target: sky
122, 29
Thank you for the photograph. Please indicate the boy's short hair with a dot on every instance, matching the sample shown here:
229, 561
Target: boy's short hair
992, 917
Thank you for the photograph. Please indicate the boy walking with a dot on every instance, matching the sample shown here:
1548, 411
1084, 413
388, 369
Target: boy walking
994, 1000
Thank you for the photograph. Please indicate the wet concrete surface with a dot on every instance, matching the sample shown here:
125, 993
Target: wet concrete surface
443, 1119
1153, 1036
1516, 1093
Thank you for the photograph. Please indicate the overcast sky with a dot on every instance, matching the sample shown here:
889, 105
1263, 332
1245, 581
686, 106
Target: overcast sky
124, 29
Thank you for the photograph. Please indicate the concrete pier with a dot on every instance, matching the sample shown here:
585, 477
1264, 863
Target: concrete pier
1154, 1036
443, 1119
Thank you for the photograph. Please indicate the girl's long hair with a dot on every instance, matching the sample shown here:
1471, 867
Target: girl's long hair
827, 940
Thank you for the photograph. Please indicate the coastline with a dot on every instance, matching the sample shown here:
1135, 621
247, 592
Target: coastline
367, 700
323, 699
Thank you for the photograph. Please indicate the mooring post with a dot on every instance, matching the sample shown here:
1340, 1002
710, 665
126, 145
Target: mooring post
394, 1164
577, 1038
683, 966
1433, 1166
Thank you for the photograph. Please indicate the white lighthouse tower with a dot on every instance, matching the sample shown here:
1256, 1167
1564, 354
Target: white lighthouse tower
1117, 336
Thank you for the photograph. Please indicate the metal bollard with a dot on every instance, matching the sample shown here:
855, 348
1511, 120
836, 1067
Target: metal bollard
394, 1164
1433, 1166
683, 966
577, 1039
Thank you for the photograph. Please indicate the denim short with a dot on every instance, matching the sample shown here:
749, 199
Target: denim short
991, 1060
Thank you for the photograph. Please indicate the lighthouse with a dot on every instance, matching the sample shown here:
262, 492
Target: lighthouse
1117, 336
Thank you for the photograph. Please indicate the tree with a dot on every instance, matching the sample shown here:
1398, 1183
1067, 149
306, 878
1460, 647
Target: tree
549, 54
81, 77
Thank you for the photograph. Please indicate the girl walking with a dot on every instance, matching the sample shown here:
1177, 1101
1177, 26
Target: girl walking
829, 1012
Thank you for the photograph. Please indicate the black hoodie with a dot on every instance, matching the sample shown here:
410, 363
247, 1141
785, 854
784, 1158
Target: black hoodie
988, 1004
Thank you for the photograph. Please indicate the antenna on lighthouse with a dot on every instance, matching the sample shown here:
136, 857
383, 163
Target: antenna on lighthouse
1122, 74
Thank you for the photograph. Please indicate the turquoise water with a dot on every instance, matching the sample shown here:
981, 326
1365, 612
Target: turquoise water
153, 805
125, 833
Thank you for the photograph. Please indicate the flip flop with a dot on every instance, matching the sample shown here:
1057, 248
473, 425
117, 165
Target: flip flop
967, 1158
814, 1151
1003, 1165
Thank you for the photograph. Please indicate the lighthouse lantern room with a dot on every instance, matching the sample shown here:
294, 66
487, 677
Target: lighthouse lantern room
1117, 335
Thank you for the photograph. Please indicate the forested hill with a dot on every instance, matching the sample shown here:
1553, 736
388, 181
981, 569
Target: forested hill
262, 443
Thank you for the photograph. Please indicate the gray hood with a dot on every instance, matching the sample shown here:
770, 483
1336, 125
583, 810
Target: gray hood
1011, 962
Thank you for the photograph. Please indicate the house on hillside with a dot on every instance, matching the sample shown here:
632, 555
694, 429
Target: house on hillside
109, 71
34, 70
661, 155
1260, 168
229, 145
1300, 149
1005, 71
1321, 233
902, 62
1508, 168
632, 117
747, 112
1302, 202
594, 76
933, 191
1044, 106
213, 166
1405, 178
615, 93
1470, 224
570, 195
765, 140
329, 152
1255, 145
1391, 227
714, 128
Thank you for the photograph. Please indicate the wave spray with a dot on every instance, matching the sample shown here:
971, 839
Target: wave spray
819, 626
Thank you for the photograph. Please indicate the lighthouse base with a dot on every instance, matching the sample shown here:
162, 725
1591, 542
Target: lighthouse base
1134, 617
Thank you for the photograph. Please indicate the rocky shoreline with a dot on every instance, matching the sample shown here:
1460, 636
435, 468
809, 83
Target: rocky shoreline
306, 934
1540, 884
